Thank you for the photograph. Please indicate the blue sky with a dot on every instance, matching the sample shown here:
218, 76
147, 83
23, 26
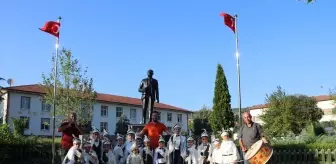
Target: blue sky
287, 43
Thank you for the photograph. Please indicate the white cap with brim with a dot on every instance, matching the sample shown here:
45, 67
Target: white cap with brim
161, 139
95, 131
190, 139
216, 141
119, 137
204, 134
177, 126
225, 133
76, 140
134, 146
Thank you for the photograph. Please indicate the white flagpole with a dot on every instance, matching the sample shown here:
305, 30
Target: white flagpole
54, 101
238, 70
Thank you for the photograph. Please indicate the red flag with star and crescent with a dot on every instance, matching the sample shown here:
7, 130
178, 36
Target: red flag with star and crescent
229, 21
52, 28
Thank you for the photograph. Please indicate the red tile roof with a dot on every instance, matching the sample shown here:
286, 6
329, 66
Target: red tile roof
318, 98
36, 88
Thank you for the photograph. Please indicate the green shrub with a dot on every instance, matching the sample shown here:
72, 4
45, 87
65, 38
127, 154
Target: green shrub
19, 126
305, 142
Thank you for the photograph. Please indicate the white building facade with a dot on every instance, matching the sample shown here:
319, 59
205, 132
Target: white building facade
25, 102
323, 102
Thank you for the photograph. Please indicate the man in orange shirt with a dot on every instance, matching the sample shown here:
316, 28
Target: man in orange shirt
153, 130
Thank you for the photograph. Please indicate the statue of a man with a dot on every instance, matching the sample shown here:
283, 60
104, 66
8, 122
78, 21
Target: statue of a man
149, 87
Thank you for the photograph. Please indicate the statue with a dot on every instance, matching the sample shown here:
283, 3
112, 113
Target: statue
149, 87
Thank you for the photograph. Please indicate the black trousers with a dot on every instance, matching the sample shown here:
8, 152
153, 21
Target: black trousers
175, 157
147, 105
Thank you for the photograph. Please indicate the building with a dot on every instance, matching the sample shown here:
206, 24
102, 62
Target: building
324, 102
25, 102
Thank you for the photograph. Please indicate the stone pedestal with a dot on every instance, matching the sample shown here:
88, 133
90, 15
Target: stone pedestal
137, 127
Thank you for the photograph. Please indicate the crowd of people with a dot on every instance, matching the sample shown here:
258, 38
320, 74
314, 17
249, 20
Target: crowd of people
149, 146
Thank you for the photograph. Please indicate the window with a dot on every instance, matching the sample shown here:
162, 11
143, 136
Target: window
103, 125
25, 102
103, 110
179, 118
45, 124
169, 117
119, 112
159, 116
133, 114
27, 121
46, 107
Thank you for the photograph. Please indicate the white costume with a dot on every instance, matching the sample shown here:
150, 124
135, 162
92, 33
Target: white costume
74, 154
229, 150
119, 152
205, 150
140, 145
134, 158
129, 143
107, 145
217, 155
160, 154
177, 143
192, 154
147, 153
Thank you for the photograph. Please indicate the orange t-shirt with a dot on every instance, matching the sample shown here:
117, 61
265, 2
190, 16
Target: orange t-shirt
153, 131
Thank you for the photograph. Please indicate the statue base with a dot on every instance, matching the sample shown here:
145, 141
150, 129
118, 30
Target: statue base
137, 127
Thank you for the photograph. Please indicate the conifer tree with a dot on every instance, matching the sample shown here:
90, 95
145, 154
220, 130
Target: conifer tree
222, 116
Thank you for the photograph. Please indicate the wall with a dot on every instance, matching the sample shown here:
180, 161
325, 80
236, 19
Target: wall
35, 114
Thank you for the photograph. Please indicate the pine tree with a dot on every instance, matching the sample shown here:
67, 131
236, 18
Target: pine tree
222, 116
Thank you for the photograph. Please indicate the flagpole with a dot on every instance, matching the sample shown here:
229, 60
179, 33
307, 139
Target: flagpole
238, 70
54, 101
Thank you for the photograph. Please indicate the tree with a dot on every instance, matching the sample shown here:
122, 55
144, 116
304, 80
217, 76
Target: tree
289, 113
122, 125
19, 126
75, 91
200, 121
1, 91
222, 116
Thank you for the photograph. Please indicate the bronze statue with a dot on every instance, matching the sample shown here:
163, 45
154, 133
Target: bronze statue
149, 87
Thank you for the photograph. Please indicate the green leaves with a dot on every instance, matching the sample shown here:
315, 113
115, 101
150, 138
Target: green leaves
289, 113
222, 116
122, 125
75, 92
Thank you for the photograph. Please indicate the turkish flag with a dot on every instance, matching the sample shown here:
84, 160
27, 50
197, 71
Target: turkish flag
230, 21
52, 28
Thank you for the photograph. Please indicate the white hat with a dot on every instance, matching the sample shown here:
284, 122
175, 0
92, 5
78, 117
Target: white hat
177, 126
137, 136
130, 130
105, 133
95, 130
161, 139
204, 134
216, 141
146, 139
76, 140
134, 146
190, 138
119, 136
224, 133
